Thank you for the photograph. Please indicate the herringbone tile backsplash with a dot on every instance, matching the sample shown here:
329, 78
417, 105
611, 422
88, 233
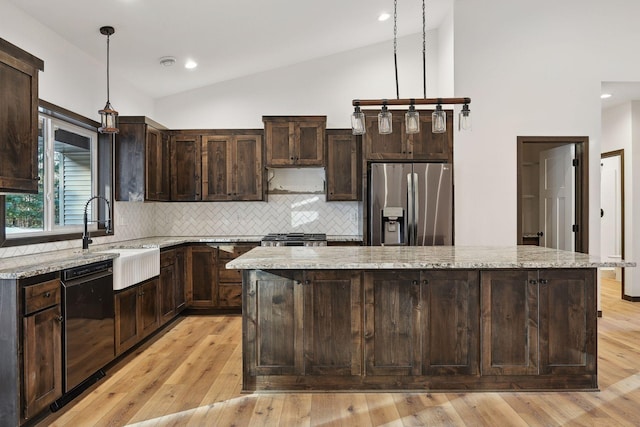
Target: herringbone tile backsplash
303, 213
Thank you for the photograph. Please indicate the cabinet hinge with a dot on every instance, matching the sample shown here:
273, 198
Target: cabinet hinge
575, 162
575, 228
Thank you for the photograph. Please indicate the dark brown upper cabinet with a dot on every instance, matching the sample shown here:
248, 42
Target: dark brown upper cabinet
185, 167
18, 119
343, 166
294, 140
399, 145
142, 160
232, 166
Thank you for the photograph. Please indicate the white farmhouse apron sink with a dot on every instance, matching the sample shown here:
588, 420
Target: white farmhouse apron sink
134, 265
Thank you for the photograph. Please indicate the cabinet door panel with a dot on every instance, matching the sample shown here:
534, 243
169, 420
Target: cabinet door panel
185, 168
204, 279
167, 291
333, 323
158, 160
509, 306
216, 168
149, 312
452, 329
310, 144
230, 295
392, 323
427, 145
280, 143
247, 169
127, 328
274, 322
181, 278
343, 171
42, 360
387, 146
18, 126
567, 336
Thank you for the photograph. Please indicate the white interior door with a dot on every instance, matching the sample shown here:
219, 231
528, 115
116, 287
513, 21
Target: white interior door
557, 197
611, 205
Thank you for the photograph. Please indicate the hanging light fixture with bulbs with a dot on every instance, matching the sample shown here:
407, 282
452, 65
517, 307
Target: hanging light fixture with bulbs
412, 116
108, 115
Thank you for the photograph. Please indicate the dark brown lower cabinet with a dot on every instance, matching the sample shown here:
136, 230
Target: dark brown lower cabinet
137, 313
172, 283
539, 322
302, 324
42, 360
212, 285
419, 330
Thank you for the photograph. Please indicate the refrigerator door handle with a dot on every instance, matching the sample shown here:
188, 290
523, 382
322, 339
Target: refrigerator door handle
414, 208
410, 210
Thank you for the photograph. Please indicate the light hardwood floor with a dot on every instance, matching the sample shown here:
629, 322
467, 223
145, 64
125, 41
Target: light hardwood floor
190, 375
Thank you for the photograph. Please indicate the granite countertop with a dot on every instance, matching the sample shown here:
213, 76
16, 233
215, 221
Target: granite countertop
420, 257
34, 264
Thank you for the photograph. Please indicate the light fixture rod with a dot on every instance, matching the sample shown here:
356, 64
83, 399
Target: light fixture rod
395, 44
107, 31
424, 51
408, 101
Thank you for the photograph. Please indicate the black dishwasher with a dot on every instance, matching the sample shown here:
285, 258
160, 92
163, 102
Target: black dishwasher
89, 317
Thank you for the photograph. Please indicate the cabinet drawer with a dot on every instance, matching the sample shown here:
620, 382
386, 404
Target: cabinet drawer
230, 295
42, 295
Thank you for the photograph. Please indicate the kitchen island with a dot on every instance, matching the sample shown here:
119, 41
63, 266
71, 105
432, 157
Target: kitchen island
419, 318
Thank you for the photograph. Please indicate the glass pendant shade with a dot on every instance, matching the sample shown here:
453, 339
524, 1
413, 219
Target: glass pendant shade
108, 118
412, 120
464, 119
357, 122
384, 121
438, 120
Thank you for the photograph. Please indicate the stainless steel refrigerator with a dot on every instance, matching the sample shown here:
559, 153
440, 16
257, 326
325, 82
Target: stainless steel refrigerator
410, 204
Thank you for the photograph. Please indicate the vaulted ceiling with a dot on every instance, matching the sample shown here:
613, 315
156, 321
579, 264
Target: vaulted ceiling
227, 38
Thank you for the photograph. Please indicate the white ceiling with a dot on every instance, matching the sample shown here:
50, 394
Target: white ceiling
620, 92
228, 38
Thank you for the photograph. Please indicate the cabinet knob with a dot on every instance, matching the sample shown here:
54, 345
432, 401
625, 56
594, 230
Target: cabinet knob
307, 282
533, 282
414, 282
59, 319
543, 281
47, 294
426, 282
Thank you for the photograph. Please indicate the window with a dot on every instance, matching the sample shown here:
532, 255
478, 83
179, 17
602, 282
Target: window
68, 166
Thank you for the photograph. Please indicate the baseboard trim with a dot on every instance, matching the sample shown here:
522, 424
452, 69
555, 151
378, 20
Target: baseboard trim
630, 298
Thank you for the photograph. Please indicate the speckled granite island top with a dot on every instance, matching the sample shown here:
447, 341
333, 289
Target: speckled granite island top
402, 257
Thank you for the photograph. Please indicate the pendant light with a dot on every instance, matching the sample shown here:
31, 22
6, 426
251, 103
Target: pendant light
357, 121
412, 120
438, 120
385, 123
412, 116
108, 115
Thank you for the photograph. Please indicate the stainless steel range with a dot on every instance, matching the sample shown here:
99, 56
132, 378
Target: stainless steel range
294, 239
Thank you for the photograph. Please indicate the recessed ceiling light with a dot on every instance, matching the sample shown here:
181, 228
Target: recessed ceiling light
605, 96
167, 61
190, 64
383, 16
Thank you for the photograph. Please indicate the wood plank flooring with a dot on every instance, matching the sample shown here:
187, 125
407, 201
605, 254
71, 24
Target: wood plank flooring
190, 375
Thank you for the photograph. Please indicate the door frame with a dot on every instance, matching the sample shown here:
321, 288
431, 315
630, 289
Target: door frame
620, 153
581, 144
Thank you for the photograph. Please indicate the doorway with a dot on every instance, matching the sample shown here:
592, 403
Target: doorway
612, 219
570, 230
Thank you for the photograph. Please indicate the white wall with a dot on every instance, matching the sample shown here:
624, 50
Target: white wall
325, 86
71, 79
